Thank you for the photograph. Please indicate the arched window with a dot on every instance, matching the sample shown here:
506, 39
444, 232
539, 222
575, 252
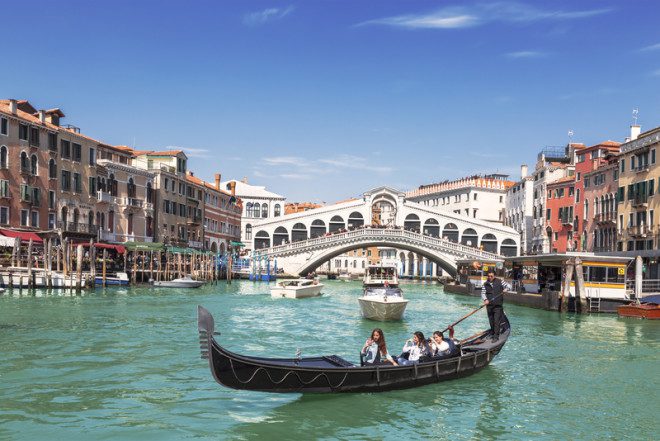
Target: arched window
248, 232
277, 210
25, 162
149, 191
355, 220
336, 224
412, 223
261, 240
248, 209
52, 169
130, 188
256, 209
264, 210
469, 237
298, 232
431, 228
280, 236
3, 157
508, 248
317, 229
489, 243
450, 233
34, 162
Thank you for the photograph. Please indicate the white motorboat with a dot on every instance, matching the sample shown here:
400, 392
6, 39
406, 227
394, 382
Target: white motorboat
182, 282
346, 277
382, 298
296, 289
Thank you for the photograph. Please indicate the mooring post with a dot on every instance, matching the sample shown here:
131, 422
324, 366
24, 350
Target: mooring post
79, 263
566, 284
580, 289
105, 257
29, 265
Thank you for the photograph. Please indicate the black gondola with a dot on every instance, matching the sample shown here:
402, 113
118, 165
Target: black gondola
335, 374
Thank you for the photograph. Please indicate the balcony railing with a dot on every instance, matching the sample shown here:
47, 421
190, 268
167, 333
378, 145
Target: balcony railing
641, 169
77, 227
640, 230
105, 198
194, 220
148, 206
132, 202
605, 217
640, 200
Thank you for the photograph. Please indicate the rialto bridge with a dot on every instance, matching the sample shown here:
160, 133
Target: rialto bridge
301, 242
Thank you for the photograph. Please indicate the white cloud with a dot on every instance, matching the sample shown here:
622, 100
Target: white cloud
299, 166
264, 16
296, 176
653, 47
355, 163
191, 152
481, 13
287, 160
524, 54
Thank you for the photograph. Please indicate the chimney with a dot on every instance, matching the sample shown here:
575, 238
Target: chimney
13, 106
42, 116
217, 181
635, 130
244, 180
523, 171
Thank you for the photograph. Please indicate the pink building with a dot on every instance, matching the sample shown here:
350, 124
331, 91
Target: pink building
600, 206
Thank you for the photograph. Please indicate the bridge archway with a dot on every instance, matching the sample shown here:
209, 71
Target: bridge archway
298, 232
412, 223
280, 236
469, 237
355, 220
445, 262
317, 229
432, 227
450, 232
489, 243
509, 248
261, 240
337, 223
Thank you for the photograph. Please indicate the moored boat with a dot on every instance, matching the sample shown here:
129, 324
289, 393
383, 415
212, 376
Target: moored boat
120, 278
648, 307
182, 282
332, 373
297, 289
382, 298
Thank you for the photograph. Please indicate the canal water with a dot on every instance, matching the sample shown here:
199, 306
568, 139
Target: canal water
124, 364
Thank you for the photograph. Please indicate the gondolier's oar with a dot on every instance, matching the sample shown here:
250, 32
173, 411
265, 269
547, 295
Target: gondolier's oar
466, 316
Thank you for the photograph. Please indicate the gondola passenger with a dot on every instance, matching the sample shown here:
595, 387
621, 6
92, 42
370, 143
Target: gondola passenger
440, 345
375, 349
415, 347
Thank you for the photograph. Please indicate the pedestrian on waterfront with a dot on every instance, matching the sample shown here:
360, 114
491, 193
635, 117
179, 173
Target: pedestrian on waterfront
375, 349
492, 293
415, 347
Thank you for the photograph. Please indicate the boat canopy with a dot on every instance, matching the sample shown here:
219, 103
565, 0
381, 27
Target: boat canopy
108, 246
655, 299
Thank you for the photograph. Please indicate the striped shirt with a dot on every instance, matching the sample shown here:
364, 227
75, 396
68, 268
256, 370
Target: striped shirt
505, 286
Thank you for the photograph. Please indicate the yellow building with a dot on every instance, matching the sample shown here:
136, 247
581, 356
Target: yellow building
637, 197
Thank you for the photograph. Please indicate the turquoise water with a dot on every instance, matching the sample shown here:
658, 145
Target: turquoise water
124, 364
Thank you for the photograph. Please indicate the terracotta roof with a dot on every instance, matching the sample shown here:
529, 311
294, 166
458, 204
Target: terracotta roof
198, 181
163, 153
562, 181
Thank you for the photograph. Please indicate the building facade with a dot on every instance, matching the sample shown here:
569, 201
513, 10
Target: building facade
518, 209
637, 198
479, 197
600, 207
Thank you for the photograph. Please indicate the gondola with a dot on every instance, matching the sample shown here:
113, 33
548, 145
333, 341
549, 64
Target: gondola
331, 373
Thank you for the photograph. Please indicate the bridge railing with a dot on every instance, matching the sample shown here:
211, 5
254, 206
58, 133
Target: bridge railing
381, 232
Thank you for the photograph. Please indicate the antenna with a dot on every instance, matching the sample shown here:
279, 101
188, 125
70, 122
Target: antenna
635, 115
570, 137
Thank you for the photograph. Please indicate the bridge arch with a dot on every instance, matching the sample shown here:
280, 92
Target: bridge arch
443, 261
509, 248
469, 237
317, 229
431, 227
337, 223
355, 220
298, 232
412, 223
489, 243
450, 232
280, 236
261, 240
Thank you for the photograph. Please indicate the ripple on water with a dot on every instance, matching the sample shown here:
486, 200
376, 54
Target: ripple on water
124, 364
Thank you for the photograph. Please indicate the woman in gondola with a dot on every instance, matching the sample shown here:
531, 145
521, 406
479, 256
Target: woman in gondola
440, 345
415, 347
375, 349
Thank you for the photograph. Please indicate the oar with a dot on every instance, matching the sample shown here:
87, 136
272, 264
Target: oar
468, 315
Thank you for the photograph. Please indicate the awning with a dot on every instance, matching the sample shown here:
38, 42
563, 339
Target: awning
25, 236
143, 246
7, 241
236, 244
118, 248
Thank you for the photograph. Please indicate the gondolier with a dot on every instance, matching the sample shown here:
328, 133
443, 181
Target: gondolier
492, 293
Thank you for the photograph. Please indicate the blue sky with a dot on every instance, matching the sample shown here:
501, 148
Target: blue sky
322, 100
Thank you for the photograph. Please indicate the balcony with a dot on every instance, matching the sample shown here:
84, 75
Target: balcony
26, 170
149, 206
641, 169
77, 227
194, 220
132, 202
565, 220
604, 218
105, 198
640, 201
641, 231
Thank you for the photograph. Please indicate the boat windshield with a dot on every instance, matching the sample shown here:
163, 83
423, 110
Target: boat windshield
383, 292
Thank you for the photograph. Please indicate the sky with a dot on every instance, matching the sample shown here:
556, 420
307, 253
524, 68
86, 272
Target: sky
323, 100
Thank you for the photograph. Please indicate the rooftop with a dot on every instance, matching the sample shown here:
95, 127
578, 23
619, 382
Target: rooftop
245, 190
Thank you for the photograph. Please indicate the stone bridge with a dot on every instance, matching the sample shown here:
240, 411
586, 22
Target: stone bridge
304, 256
440, 235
